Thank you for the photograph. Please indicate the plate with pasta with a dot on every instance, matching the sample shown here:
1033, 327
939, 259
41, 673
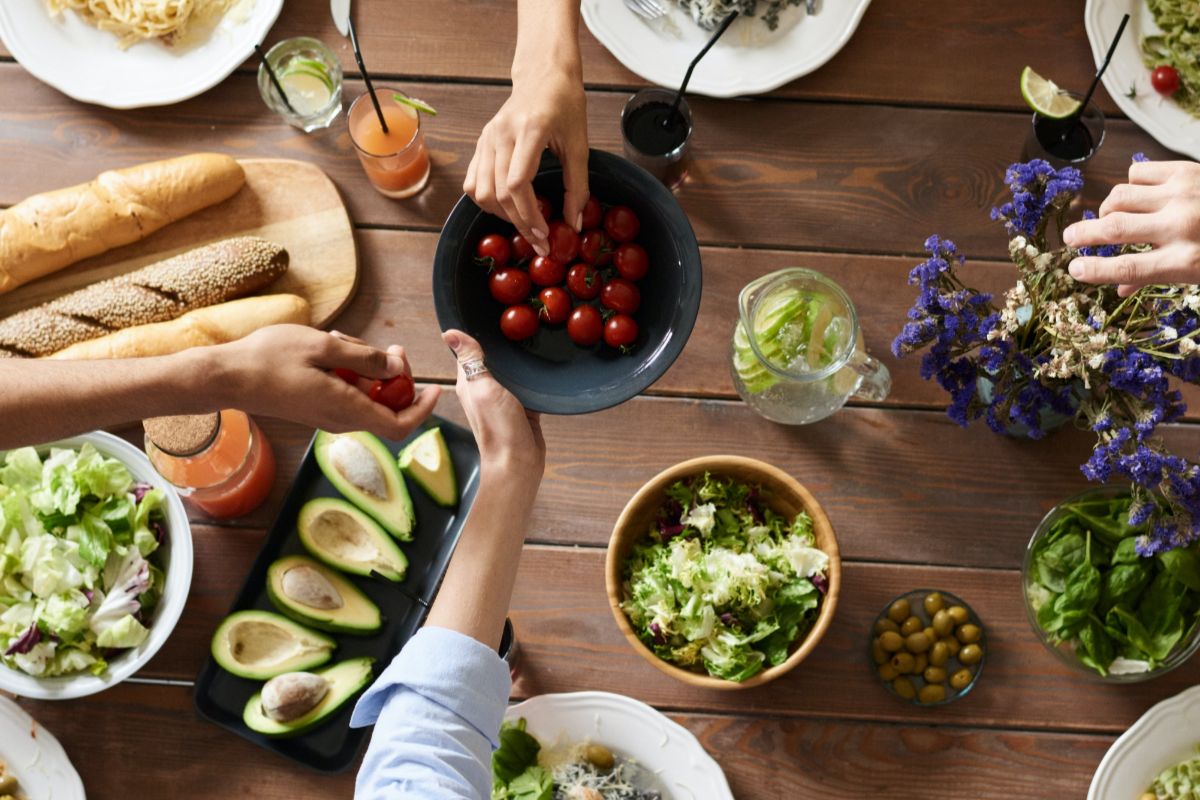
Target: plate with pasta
134, 53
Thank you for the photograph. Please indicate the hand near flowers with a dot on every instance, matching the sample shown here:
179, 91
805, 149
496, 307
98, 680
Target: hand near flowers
1160, 206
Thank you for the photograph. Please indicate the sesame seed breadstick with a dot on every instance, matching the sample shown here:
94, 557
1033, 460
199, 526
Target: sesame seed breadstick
164, 291
46, 232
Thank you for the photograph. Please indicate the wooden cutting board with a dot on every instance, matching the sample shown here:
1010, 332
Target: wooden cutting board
292, 203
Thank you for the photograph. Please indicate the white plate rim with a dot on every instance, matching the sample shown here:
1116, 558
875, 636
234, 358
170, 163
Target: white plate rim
175, 593
633, 712
252, 31
1143, 118
52, 768
1122, 748
660, 74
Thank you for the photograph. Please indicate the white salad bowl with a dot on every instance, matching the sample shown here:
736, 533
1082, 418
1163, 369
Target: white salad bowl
1165, 735
176, 561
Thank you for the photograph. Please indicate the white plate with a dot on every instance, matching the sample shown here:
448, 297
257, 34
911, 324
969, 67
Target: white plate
37, 759
1173, 127
85, 63
1165, 735
632, 729
749, 59
176, 555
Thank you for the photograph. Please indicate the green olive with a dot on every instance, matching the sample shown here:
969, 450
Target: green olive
599, 756
888, 672
883, 625
930, 634
899, 611
904, 663
920, 663
939, 654
934, 675
953, 645
943, 625
961, 679
932, 693
934, 603
970, 654
918, 642
969, 634
904, 687
959, 615
891, 641
878, 654
911, 625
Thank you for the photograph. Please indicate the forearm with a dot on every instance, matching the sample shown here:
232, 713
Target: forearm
547, 39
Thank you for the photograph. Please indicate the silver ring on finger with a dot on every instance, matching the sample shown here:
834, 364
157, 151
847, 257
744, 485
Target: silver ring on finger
473, 368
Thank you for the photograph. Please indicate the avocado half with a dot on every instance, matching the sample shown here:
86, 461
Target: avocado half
342, 536
345, 679
362, 468
260, 645
427, 461
350, 612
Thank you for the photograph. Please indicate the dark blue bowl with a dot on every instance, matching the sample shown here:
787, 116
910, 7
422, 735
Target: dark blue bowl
549, 373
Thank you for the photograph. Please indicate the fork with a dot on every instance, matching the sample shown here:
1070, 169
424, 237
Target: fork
810, 6
646, 9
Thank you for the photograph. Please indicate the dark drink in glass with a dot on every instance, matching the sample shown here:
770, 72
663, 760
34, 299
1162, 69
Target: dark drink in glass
658, 138
1066, 142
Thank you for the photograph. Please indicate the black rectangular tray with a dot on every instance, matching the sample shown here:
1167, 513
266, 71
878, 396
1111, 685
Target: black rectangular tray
221, 696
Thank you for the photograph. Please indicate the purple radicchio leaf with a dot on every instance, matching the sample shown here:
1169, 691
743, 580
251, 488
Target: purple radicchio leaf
821, 582
668, 532
730, 620
658, 634
140, 490
25, 642
160, 533
753, 506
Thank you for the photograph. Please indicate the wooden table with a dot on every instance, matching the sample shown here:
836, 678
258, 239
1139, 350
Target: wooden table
903, 134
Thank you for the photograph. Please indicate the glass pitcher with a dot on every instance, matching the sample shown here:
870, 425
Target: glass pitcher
798, 352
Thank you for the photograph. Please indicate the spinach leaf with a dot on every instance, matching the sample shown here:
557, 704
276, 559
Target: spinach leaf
1126, 552
1123, 584
1095, 648
1183, 564
1058, 560
1082, 592
517, 752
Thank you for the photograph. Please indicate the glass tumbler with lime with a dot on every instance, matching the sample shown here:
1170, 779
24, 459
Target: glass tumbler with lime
1064, 132
311, 78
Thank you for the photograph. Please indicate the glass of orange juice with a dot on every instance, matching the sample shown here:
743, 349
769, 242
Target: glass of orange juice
396, 162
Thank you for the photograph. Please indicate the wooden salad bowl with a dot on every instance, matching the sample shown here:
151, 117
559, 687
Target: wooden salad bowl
783, 494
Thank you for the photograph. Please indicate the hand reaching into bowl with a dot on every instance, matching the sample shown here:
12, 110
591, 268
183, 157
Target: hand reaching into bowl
1160, 206
547, 108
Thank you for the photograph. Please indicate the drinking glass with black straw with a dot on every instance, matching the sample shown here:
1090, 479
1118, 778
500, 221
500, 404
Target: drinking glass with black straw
345, 25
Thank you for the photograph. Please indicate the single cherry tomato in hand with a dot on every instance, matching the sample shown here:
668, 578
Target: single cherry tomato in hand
493, 250
348, 375
622, 224
592, 213
563, 242
545, 271
631, 261
595, 248
521, 249
620, 331
396, 393
544, 208
621, 296
1165, 80
509, 285
585, 326
555, 305
583, 281
519, 322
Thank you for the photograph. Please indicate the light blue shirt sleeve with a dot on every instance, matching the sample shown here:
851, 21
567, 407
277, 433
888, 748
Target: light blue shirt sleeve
437, 711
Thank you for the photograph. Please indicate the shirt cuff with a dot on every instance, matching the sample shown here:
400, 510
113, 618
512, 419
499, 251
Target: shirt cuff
451, 669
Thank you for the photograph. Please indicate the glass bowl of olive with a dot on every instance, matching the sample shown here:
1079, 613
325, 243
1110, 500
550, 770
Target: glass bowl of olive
928, 647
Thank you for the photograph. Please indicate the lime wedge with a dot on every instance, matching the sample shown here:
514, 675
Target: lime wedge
414, 103
310, 67
1044, 96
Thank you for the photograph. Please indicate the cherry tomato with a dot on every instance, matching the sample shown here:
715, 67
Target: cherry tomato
545, 271
544, 208
556, 305
509, 285
519, 322
622, 224
396, 393
583, 281
1165, 80
493, 250
563, 242
631, 261
620, 331
592, 213
522, 250
595, 248
585, 326
621, 295
348, 375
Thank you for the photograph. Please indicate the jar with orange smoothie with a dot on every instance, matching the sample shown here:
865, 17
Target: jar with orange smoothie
396, 161
221, 463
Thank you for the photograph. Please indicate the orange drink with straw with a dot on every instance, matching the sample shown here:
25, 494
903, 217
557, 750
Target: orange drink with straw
396, 162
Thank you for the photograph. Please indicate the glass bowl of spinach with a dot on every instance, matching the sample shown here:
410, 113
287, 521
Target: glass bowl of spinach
1100, 606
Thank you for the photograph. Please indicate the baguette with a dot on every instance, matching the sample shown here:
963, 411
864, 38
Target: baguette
46, 232
218, 324
205, 276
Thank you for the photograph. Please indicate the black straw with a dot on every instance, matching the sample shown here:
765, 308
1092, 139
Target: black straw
366, 78
1112, 48
724, 26
274, 80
